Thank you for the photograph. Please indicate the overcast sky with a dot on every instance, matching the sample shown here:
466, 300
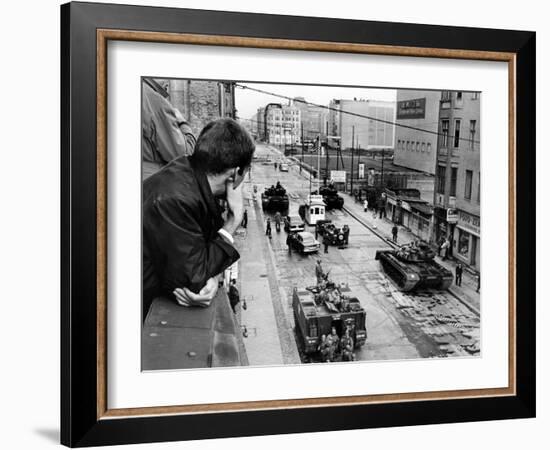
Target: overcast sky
247, 102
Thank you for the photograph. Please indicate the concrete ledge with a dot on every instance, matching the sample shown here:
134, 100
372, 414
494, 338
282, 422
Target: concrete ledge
176, 337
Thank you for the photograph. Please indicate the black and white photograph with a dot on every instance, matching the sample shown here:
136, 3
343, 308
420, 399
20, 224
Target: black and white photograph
287, 224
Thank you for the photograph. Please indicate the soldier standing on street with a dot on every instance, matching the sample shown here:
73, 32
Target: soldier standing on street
326, 242
278, 221
268, 228
319, 274
244, 223
289, 243
345, 229
458, 274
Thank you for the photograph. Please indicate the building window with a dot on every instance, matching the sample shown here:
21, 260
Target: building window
459, 97
452, 192
429, 147
457, 133
440, 183
444, 133
475, 95
408, 147
472, 133
446, 95
468, 185
423, 147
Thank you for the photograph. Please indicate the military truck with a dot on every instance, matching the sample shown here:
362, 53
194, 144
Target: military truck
275, 198
335, 235
318, 309
412, 267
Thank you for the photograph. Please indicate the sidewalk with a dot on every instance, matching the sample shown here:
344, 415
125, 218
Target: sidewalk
382, 228
269, 339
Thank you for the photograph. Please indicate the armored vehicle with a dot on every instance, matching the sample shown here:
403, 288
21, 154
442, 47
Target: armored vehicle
412, 266
335, 235
331, 197
318, 309
275, 198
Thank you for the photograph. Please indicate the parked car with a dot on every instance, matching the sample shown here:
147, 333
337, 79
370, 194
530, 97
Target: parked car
283, 167
294, 224
304, 242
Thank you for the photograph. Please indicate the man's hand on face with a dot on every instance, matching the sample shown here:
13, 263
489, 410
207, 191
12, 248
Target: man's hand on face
203, 299
235, 202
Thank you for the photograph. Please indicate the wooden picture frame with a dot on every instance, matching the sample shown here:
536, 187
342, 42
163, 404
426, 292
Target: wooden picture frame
85, 417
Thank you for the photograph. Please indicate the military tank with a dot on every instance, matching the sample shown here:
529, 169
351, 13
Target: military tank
275, 198
331, 197
318, 309
412, 267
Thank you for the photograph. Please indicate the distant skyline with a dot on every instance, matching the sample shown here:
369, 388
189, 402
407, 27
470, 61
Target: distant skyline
247, 102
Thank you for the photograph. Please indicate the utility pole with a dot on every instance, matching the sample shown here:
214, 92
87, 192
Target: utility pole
326, 150
302, 163
382, 174
318, 162
352, 148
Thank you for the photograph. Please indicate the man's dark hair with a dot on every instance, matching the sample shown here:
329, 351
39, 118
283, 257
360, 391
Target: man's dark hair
222, 144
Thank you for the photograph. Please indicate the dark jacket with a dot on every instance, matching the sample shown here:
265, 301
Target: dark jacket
181, 219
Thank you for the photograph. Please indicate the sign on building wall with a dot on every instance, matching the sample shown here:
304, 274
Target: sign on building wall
452, 215
411, 109
469, 222
361, 171
338, 176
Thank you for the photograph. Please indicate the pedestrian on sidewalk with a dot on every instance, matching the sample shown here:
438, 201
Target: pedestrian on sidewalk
445, 248
268, 228
326, 242
458, 274
365, 205
394, 232
288, 243
244, 223
234, 297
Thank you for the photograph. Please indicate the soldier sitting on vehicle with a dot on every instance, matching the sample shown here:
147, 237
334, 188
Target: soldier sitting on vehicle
324, 348
334, 340
347, 340
321, 297
334, 298
347, 353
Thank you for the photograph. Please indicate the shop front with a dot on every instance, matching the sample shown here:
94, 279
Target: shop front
466, 239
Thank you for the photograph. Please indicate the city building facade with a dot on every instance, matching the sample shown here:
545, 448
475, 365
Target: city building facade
200, 102
417, 149
279, 124
314, 119
457, 178
368, 134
